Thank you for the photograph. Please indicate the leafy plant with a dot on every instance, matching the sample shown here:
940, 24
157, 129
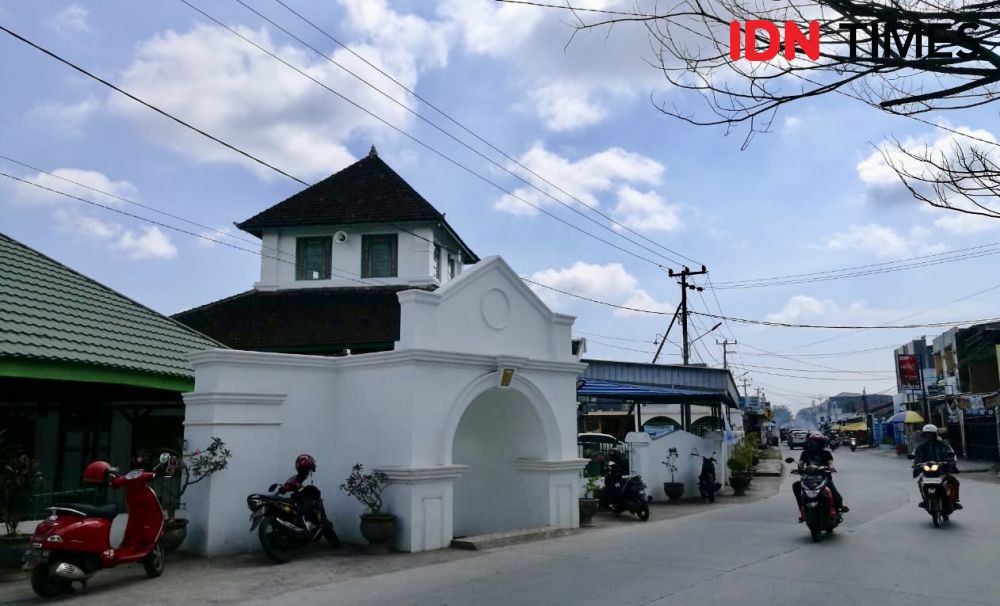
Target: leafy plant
19, 478
742, 455
591, 487
195, 466
366, 487
671, 462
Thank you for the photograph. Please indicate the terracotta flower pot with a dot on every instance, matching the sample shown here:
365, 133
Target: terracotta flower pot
378, 529
174, 533
588, 507
674, 490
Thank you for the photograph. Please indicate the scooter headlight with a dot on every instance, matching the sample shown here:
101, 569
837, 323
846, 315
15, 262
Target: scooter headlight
931, 467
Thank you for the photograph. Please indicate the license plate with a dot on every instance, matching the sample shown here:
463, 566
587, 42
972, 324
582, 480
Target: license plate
929, 481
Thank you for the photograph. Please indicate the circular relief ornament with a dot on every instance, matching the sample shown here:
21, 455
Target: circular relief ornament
495, 307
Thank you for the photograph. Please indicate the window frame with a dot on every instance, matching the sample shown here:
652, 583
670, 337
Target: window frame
437, 261
300, 249
367, 241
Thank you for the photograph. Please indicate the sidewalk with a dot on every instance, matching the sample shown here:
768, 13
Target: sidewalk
964, 465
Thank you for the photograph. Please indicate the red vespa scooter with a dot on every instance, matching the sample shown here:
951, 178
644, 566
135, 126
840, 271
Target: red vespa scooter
74, 542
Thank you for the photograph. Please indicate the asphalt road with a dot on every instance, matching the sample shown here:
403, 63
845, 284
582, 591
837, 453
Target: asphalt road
753, 553
886, 553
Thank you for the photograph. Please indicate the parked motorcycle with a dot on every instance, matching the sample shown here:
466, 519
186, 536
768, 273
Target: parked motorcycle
73, 542
707, 484
853, 442
818, 510
625, 493
285, 523
937, 492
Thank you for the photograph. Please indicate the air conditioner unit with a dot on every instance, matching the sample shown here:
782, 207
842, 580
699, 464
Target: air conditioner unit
340, 237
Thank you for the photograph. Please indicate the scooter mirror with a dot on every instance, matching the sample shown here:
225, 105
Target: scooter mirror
909, 456
272, 487
164, 457
789, 460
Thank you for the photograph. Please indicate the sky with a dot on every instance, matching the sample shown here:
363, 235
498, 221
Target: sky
578, 110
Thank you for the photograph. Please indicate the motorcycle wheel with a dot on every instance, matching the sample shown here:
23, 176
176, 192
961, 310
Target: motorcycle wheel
272, 542
643, 512
935, 512
814, 531
46, 585
155, 562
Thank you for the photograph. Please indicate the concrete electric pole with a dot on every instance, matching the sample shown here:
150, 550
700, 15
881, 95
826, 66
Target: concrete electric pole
684, 274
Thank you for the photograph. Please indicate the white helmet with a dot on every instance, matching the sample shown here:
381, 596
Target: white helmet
929, 428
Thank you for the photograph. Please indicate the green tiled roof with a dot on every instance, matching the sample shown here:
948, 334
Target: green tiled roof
56, 323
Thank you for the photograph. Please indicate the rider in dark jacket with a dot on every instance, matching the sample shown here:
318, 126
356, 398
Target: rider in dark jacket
935, 449
815, 453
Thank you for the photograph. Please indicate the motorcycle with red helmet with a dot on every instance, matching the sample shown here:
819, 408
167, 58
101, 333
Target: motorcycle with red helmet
292, 515
74, 541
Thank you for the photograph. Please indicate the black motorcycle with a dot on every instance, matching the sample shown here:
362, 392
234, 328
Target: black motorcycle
707, 484
625, 493
285, 523
933, 480
818, 508
853, 442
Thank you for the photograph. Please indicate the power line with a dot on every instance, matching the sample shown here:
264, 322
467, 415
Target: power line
463, 127
420, 142
838, 370
854, 379
173, 228
568, 7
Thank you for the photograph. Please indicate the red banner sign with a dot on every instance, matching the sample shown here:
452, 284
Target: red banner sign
909, 370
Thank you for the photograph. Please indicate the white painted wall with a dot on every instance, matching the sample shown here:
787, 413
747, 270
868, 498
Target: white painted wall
649, 453
421, 413
415, 254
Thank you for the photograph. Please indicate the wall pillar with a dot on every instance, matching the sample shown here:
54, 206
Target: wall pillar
422, 499
249, 424
562, 483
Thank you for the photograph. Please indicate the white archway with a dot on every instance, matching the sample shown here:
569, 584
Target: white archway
496, 434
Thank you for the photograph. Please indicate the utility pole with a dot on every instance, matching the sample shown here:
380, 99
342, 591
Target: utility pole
665, 335
725, 350
684, 274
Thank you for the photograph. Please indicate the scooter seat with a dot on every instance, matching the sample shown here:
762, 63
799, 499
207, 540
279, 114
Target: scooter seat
91, 511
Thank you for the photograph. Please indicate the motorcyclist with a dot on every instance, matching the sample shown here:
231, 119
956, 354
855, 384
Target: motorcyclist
935, 449
815, 453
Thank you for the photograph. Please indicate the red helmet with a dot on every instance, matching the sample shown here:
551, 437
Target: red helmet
818, 438
97, 472
305, 463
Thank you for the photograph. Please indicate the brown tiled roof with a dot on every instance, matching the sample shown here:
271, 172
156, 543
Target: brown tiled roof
368, 191
305, 320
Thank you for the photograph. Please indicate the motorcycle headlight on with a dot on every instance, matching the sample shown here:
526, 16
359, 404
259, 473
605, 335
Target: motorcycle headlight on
931, 467
254, 503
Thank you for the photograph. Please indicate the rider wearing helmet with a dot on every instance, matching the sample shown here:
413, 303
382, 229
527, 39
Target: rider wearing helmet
815, 453
935, 449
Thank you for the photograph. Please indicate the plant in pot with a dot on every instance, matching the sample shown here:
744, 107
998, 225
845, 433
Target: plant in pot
674, 490
589, 502
376, 527
19, 479
189, 469
739, 464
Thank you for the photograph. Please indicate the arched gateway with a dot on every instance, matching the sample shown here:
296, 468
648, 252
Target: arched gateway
472, 416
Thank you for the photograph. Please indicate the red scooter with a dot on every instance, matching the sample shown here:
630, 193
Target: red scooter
74, 542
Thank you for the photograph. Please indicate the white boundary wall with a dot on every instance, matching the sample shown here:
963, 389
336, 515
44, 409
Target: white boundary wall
648, 454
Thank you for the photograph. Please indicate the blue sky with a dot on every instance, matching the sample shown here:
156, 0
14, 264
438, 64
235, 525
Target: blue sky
809, 196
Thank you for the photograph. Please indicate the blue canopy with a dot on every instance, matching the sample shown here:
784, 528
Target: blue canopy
629, 391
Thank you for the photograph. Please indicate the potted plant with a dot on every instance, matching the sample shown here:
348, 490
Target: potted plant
589, 502
190, 468
19, 478
739, 463
674, 490
376, 527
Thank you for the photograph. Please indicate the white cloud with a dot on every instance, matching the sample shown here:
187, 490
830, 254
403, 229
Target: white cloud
961, 224
70, 20
217, 81
609, 282
151, 243
645, 211
27, 195
585, 178
800, 307
64, 118
791, 124
872, 238
546, 53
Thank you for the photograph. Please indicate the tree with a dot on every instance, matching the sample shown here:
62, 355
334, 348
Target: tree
806, 418
782, 415
877, 52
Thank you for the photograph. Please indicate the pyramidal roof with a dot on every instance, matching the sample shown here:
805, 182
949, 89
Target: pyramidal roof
368, 191
58, 324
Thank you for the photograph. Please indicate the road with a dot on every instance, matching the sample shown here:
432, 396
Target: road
887, 553
752, 554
